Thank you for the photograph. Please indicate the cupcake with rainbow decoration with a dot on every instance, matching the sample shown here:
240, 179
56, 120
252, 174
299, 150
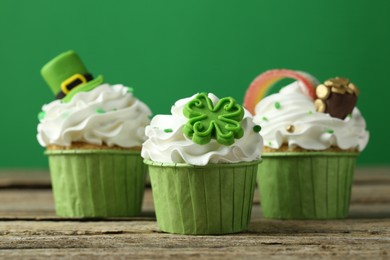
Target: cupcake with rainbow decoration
93, 134
203, 163
312, 135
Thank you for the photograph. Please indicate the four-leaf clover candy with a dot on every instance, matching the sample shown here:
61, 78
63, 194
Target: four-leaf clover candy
206, 121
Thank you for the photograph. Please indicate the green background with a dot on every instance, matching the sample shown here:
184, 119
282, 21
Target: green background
167, 50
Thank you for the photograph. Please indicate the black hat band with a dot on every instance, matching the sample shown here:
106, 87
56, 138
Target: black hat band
72, 82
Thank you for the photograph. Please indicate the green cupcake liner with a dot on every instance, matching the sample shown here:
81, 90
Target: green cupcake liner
307, 185
97, 183
203, 200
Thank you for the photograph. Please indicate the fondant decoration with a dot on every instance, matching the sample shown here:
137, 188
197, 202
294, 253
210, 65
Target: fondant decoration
66, 75
263, 84
206, 121
337, 97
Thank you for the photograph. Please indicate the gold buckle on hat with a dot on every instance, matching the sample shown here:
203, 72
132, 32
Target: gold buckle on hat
70, 80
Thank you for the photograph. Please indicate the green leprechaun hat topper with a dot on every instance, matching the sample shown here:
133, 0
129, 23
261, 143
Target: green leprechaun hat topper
66, 75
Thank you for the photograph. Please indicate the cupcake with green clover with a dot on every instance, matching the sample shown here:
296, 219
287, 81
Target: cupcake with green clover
312, 135
93, 134
202, 163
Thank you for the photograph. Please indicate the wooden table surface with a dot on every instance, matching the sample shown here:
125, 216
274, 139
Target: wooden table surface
29, 228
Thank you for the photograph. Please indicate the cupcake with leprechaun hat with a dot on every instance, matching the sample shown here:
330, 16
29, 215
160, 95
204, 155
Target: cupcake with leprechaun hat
93, 134
312, 135
202, 163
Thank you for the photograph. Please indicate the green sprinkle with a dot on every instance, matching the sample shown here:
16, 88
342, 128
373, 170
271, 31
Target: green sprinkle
264, 118
349, 116
168, 130
130, 90
41, 115
269, 143
100, 111
310, 112
277, 105
115, 109
330, 131
257, 128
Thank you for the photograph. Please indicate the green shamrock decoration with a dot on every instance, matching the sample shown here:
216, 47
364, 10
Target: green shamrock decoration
221, 122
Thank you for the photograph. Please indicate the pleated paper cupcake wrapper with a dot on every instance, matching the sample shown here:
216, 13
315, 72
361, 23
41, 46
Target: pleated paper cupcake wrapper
307, 185
203, 200
97, 183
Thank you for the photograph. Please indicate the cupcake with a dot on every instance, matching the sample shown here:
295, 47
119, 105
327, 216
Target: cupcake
312, 135
93, 134
202, 163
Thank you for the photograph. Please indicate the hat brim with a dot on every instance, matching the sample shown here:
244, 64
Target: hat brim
84, 88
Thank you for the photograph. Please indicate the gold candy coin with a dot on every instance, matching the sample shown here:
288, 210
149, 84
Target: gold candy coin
338, 90
352, 87
320, 105
350, 91
343, 81
340, 81
322, 91
328, 83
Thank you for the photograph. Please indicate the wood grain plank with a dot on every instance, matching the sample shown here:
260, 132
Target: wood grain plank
369, 194
20, 178
39, 204
30, 229
372, 175
351, 238
367, 202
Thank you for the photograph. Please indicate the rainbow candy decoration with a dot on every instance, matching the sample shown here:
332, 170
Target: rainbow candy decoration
261, 86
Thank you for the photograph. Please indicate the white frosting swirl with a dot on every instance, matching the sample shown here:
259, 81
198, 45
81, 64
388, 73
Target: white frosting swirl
173, 146
108, 115
312, 130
